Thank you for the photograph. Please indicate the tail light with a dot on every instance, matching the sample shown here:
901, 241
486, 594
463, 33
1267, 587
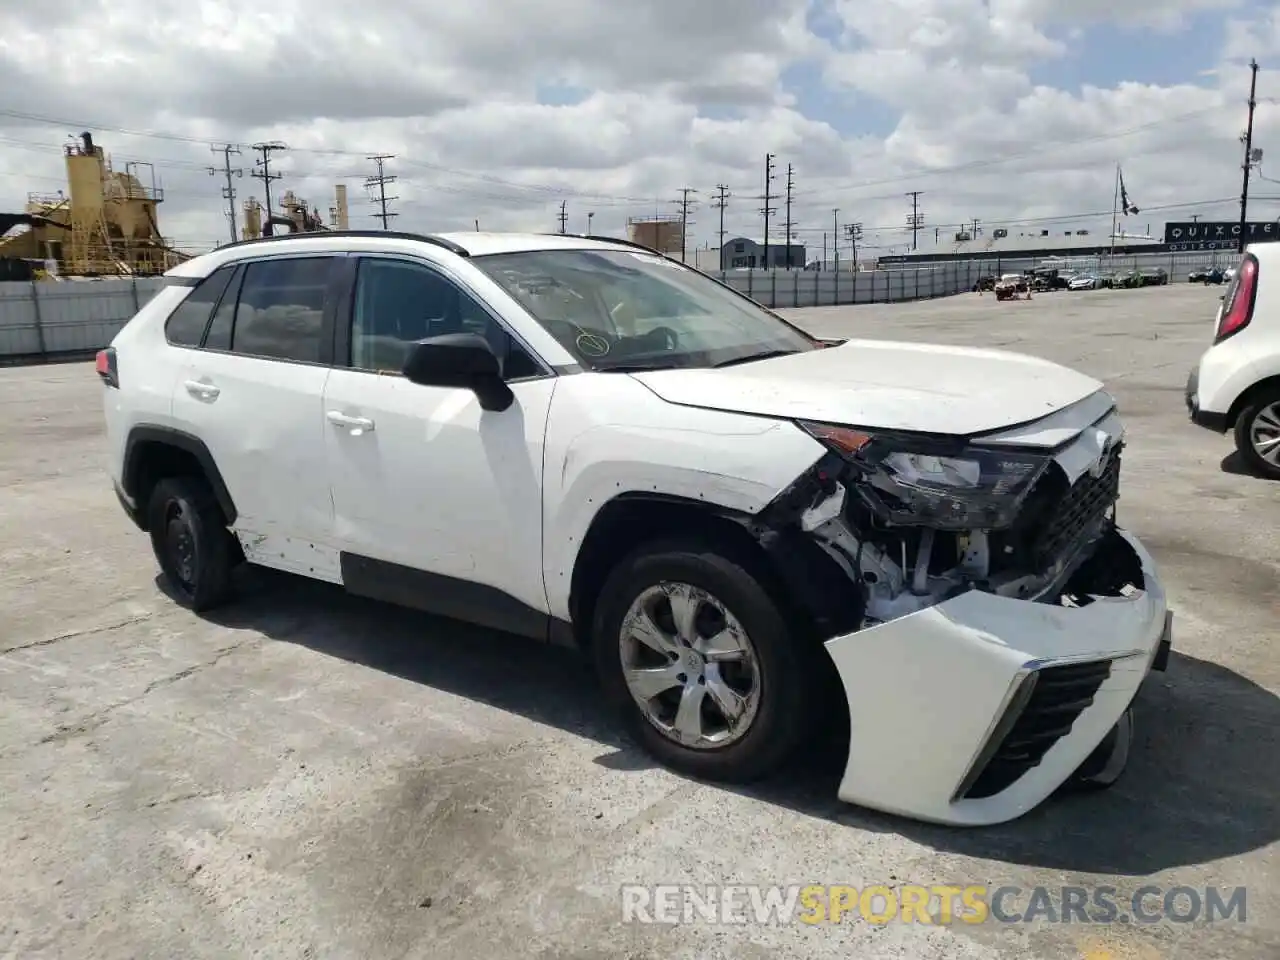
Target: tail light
1237, 304
106, 367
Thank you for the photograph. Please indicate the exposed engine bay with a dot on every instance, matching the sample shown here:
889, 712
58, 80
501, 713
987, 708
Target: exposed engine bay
906, 564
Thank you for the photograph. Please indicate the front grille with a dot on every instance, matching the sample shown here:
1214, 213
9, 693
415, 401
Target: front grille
1041, 713
1054, 518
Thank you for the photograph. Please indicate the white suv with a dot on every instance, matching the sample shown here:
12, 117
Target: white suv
1236, 385
588, 443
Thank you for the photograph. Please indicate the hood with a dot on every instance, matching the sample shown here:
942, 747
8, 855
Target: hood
924, 388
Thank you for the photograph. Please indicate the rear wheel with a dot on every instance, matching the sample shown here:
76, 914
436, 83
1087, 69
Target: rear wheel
1258, 434
699, 661
191, 541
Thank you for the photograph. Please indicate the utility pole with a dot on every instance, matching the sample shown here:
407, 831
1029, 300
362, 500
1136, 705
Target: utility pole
768, 181
722, 201
835, 237
915, 220
564, 215
380, 182
684, 218
229, 191
262, 171
974, 233
854, 232
1248, 151
790, 187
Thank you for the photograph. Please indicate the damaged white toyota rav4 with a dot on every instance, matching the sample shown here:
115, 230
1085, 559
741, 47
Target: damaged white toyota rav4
587, 443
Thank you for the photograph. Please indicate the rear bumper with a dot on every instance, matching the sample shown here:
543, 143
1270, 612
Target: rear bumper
973, 711
1217, 422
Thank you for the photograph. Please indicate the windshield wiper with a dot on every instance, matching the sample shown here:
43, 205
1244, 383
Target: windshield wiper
752, 357
636, 367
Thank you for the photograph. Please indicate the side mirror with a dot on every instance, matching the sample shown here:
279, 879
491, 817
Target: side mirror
459, 360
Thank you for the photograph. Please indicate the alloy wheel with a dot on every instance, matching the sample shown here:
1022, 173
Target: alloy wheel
1264, 434
690, 666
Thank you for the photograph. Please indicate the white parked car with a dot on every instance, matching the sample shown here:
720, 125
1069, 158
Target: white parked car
587, 443
1236, 385
1083, 282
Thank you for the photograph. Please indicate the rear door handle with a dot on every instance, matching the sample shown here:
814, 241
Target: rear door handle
357, 425
201, 390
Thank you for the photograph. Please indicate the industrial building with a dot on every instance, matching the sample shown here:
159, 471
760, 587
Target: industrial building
742, 253
296, 216
662, 233
104, 224
1040, 243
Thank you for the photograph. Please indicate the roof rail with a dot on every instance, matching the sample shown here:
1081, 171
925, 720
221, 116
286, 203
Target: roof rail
618, 240
388, 234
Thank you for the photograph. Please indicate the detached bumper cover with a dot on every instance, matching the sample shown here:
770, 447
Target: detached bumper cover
973, 711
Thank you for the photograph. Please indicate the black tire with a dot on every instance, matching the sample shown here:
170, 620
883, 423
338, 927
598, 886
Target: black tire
191, 542
785, 672
1244, 425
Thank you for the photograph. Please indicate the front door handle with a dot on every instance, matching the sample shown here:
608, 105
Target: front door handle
201, 390
357, 425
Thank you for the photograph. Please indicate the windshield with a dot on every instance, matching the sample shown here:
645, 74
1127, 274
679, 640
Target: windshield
624, 310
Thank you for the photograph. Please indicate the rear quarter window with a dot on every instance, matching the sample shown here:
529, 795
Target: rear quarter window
186, 325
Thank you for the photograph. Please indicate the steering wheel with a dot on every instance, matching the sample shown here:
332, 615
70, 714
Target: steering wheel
665, 335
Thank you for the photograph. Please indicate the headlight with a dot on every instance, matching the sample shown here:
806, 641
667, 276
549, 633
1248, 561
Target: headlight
917, 481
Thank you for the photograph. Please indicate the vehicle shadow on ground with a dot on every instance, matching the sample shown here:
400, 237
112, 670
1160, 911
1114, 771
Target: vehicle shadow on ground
1234, 464
1199, 786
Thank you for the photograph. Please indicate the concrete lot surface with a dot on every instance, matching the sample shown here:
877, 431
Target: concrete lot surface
310, 775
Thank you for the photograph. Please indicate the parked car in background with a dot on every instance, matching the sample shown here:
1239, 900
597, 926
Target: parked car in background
987, 282
1207, 275
1085, 281
1044, 279
1236, 385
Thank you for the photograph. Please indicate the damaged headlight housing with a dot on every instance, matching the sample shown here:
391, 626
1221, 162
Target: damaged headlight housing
919, 481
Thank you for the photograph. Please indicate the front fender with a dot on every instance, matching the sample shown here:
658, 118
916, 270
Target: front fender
621, 439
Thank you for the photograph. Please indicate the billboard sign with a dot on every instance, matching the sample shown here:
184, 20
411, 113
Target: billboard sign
1218, 234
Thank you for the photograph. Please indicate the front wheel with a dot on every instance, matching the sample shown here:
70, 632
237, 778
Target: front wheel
700, 662
1258, 434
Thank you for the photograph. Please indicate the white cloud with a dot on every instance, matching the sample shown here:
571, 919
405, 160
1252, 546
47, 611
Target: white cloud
673, 94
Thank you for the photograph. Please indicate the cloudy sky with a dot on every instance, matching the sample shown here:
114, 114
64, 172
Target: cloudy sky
1015, 112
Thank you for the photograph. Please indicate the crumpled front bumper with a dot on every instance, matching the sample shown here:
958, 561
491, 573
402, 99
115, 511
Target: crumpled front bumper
949, 704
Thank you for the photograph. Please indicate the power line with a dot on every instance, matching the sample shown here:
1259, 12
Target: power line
766, 210
380, 181
684, 202
1248, 150
262, 171
1035, 221
228, 191
790, 188
915, 219
1043, 147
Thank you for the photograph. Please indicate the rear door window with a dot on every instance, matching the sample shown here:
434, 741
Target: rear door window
280, 311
